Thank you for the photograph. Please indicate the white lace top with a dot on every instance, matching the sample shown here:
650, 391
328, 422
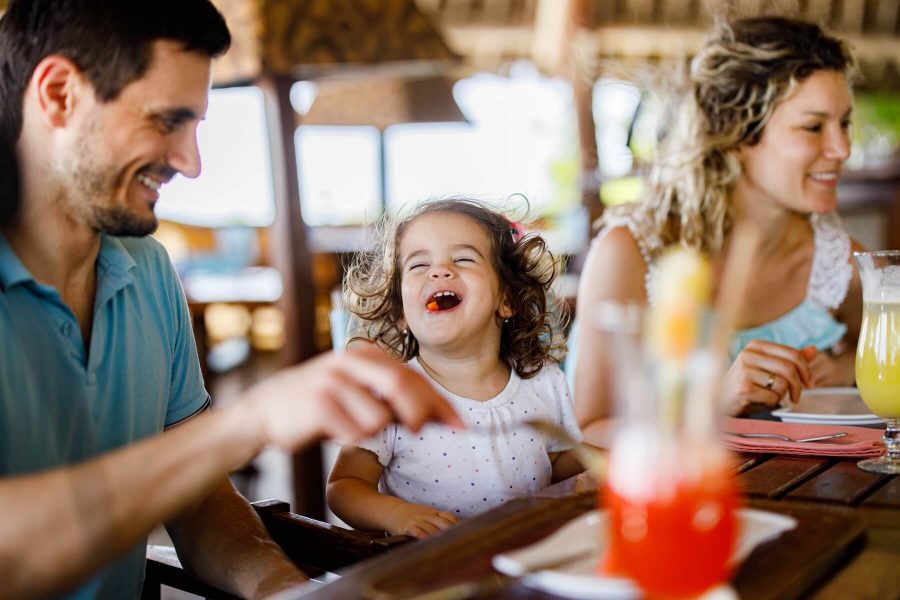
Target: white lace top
808, 324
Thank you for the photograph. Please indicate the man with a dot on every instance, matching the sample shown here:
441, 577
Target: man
101, 99
9, 183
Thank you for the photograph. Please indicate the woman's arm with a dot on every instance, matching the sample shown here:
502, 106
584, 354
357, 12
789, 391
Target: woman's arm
354, 497
565, 464
614, 270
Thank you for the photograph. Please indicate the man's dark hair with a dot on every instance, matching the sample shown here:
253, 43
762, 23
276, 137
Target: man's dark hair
110, 40
9, 184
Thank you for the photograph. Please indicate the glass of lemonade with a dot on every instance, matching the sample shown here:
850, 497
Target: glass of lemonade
878, 353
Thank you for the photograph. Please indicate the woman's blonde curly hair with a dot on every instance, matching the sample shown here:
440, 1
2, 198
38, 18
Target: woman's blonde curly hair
744, 70
525, 267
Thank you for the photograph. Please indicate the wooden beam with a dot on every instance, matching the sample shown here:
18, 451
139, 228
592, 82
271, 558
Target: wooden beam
552, 29
885, 21
291, 256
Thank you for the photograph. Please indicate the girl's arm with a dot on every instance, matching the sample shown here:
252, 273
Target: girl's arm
354, 497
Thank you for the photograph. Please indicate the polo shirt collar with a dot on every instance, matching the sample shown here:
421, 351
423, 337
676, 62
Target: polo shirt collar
114, 261
114, 269
12, 271
114, 256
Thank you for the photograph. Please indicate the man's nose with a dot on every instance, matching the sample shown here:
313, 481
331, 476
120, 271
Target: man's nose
184, 153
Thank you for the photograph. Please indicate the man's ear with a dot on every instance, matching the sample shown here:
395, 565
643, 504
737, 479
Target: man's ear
58, 86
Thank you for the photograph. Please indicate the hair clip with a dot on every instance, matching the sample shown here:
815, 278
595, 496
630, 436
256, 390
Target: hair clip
516, 231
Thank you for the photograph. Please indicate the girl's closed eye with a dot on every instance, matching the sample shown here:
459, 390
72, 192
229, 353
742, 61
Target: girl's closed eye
415, 266
463, 259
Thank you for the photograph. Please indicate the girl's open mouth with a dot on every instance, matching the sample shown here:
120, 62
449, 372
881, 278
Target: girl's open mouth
443, 300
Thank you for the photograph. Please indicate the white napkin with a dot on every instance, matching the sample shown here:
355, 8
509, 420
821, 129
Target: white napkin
582, 538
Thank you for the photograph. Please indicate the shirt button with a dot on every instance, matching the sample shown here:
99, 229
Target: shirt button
66, 329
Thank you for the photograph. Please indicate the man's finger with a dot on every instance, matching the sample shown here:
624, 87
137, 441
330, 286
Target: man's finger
412, 399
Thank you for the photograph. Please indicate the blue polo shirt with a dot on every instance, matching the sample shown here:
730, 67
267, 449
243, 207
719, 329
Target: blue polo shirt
61, 404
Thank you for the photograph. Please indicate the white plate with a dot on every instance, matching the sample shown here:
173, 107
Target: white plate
830, 405
583, 537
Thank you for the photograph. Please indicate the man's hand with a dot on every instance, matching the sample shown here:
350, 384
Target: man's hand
418, 520
346, 397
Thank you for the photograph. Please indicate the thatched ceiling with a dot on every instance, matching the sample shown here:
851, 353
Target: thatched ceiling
488, 32
302, 38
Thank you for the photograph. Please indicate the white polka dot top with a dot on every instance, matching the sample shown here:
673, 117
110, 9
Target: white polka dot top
468, 471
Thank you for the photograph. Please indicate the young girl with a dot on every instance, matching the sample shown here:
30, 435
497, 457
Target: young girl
454, 290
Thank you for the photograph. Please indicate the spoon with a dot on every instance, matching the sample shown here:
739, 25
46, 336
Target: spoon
787, 439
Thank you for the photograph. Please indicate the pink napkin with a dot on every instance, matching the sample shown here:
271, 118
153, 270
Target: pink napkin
859, 441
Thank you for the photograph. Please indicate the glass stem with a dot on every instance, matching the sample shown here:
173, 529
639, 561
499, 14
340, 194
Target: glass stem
892, 439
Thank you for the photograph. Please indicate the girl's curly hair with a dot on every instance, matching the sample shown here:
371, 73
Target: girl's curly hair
524, 265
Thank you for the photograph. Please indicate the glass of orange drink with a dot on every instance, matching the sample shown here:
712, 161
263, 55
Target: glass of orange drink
670, 493
878, 352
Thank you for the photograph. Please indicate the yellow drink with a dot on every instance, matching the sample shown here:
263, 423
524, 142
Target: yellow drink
878, 358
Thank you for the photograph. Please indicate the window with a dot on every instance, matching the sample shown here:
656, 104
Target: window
340, 174
521, 139
235, 185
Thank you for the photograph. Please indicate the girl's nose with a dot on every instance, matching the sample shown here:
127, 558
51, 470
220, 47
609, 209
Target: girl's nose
441, 273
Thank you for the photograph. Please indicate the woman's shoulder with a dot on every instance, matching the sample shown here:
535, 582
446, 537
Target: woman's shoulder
616, 266
618, 242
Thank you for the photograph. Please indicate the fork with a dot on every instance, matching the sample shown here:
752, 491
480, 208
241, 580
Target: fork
589, 456
778, 436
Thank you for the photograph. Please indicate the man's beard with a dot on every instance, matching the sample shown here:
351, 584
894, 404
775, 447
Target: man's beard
90, 194
119, 221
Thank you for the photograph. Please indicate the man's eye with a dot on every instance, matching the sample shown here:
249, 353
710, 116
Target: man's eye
169, 124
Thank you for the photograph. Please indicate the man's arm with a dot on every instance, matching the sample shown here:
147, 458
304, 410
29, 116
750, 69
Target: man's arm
60, 526
222, 541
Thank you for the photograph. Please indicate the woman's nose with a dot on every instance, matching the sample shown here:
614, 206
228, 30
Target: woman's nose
838, 146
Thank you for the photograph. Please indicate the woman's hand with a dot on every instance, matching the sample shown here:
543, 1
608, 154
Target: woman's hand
764, 372
823, 369
418, 520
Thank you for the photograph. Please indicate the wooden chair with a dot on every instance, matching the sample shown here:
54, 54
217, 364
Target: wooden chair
315, 547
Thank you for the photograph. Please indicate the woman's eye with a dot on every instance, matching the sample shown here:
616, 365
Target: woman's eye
846, 124
813, 128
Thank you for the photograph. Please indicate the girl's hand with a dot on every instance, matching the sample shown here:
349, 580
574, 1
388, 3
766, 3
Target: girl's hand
418, 520
764, 372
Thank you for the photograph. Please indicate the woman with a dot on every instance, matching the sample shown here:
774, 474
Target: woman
760, 136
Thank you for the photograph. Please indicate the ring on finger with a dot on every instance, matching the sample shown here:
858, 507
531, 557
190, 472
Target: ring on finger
770, 382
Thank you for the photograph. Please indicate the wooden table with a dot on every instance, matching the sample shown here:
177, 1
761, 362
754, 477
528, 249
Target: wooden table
846, 544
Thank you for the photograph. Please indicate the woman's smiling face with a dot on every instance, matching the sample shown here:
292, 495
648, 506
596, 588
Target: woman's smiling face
449, 287
798, 159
